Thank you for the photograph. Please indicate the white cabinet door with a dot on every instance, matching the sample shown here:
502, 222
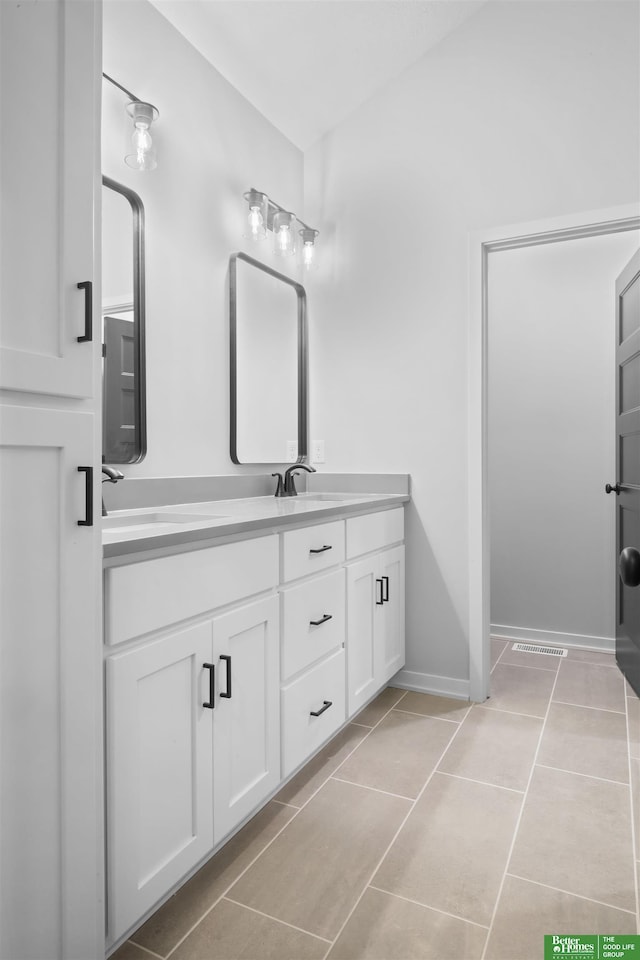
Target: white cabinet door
50, 698
364, 612
159, 769
246, 722
375, 624
50, 111
391, 648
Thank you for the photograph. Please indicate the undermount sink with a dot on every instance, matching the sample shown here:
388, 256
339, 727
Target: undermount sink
141, 520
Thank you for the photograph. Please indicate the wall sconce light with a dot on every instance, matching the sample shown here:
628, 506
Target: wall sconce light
140, 153
265, 215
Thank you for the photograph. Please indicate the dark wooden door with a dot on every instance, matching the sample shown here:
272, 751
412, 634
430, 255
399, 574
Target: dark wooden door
627, 488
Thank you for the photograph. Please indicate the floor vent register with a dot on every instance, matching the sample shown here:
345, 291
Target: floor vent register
534, 648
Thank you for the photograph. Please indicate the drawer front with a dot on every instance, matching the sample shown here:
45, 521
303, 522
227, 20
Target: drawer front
303, 733
374, 531
313, 617
312, 549
147, 596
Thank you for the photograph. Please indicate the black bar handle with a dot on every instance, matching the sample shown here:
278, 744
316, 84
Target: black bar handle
227, 658
385, 592
325, 706
381, 600
88, 497
87, 286
321, 549
316, 623
212, 685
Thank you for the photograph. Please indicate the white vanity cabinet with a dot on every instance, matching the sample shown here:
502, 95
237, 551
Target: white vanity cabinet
375, 604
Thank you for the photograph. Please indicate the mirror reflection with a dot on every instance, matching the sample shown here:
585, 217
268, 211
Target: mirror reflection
268, 364
123, 316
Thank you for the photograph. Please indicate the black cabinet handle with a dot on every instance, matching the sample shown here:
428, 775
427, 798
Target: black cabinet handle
87, 286
381, 600
321, 549
88, 497
212, 685
325, 706
316, 623
385, 592
227, 694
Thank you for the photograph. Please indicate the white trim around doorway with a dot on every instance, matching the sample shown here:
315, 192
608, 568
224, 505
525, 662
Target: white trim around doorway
575, 226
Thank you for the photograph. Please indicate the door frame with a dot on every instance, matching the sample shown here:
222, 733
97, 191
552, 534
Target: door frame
591, 223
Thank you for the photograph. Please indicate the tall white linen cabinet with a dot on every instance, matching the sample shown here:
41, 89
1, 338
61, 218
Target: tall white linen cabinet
51, 786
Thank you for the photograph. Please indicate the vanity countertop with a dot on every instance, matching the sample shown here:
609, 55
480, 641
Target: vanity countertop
126, 532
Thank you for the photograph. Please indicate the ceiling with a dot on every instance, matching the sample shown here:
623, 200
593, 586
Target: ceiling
307, 64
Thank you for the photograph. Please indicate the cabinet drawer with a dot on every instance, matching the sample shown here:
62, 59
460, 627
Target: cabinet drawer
312, 549
301, 732
374, 531
308, 636
146, 596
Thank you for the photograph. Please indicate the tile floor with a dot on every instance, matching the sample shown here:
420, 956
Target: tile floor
436, 830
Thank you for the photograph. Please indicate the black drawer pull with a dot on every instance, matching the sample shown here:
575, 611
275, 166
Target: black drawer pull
321, 549
381, 600
212, 685
326, 705
385, 592
316, 623
227, 658
88, 497
87, 286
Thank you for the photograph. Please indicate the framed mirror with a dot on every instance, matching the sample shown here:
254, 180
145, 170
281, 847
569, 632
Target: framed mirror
124, 422
269, 364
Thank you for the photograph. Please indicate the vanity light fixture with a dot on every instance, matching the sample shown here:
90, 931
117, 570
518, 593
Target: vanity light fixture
290, 234
141, 153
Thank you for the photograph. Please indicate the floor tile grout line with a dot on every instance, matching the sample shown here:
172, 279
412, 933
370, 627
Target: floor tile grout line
282, 803
634, 840
392, 841
485, 706
275, 837
428, 716
268, 916
520, 815
569, 893
588, 706
528, 666
157, 956
588, 776
484, 783
366, 786
425, 906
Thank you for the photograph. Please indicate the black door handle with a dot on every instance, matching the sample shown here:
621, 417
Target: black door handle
612, 489
227, 694
321, 549
88, 497
212, 685
381, 600
316, 623
325, 706
87, 286
385, 592
629, 567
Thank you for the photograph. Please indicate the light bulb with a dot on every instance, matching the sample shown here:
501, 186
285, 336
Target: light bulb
284, 238
141, 155
142, 143
256, 223
308, 251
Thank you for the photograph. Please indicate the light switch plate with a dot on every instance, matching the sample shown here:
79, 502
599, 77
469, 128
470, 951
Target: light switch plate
317, 451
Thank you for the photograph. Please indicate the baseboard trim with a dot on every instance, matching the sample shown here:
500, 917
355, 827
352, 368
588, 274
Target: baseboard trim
602, 644
430, 683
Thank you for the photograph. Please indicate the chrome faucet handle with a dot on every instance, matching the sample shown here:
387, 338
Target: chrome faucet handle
280, 487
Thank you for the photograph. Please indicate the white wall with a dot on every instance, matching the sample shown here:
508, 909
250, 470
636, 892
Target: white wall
551, 436
212, 146
528, 110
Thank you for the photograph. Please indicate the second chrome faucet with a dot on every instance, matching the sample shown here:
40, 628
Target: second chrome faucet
287, 487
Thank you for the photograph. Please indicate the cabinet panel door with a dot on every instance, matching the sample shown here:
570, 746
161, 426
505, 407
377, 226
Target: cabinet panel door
49, 115
391, 647
50, 698
364, 622
246, 747
159, 754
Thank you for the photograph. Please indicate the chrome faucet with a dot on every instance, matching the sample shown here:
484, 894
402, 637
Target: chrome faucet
287, 487
112, 477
